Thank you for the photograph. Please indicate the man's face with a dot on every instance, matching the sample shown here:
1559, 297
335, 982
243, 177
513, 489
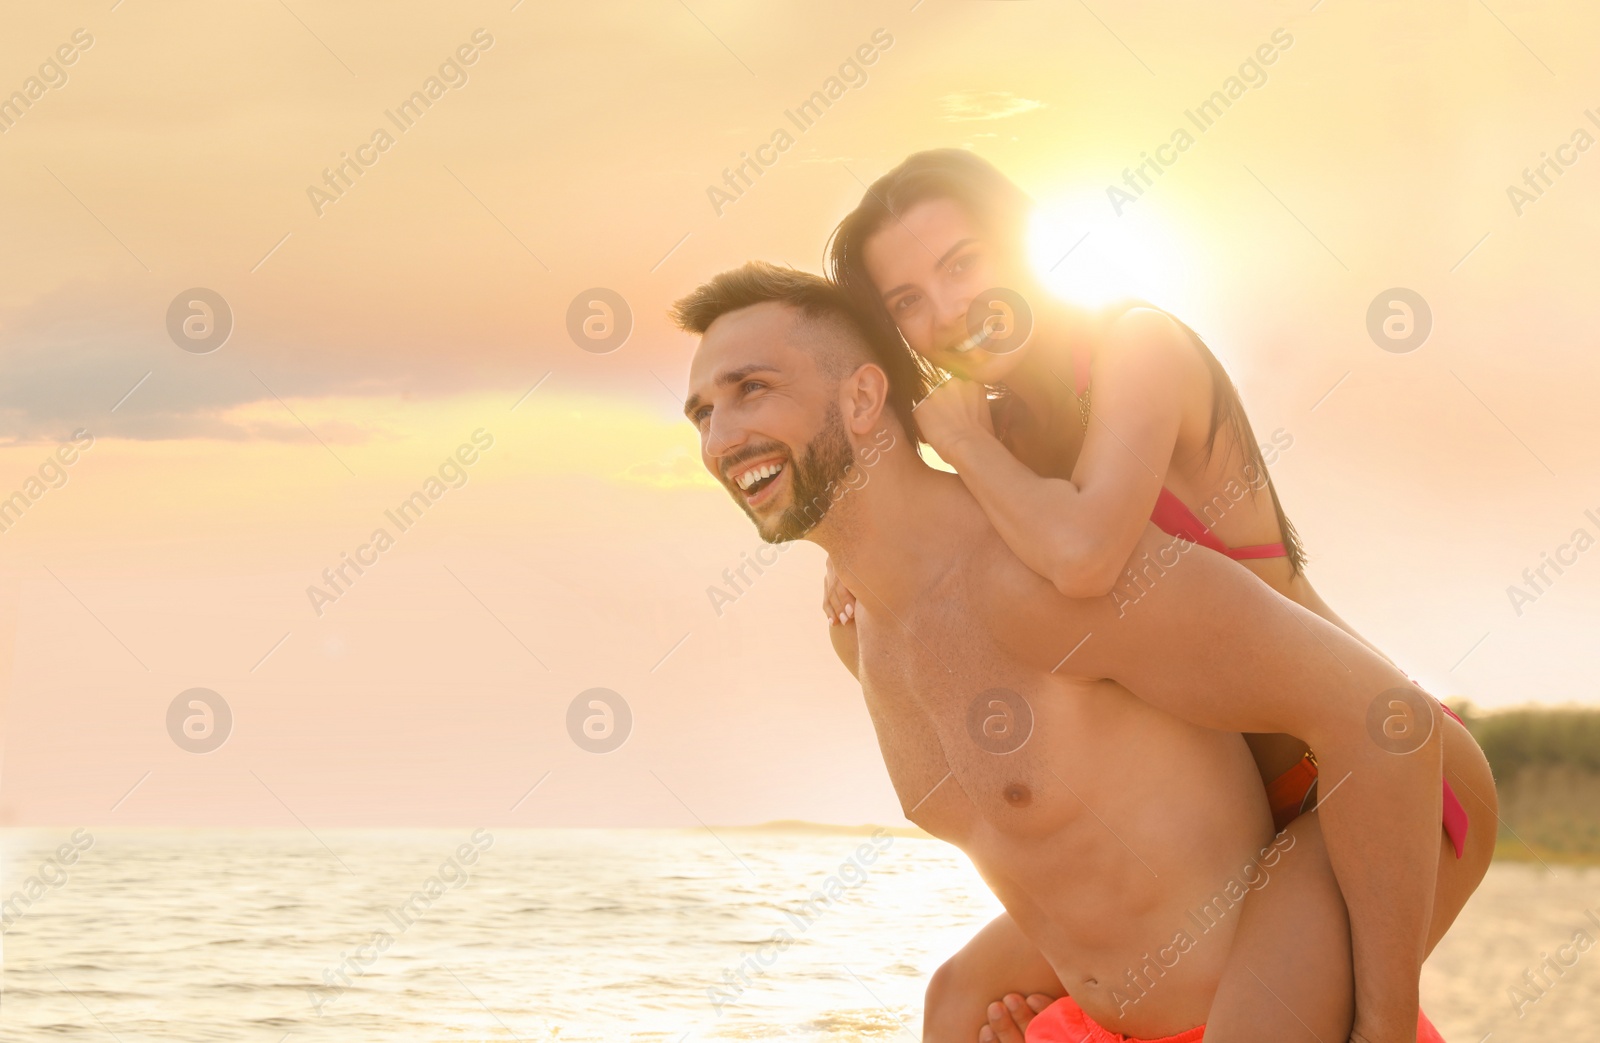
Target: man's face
769, 420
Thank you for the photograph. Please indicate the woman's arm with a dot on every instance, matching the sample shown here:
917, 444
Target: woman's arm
1079, 533
846, 647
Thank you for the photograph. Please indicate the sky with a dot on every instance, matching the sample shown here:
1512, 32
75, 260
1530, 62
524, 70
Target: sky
381, 318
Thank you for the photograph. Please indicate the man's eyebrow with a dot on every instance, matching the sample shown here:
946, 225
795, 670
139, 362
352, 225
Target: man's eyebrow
733, 376
942, 262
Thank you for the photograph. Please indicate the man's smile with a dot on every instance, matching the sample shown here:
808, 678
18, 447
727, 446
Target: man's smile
757, 481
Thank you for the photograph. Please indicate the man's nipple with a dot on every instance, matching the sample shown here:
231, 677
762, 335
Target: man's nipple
1018, 795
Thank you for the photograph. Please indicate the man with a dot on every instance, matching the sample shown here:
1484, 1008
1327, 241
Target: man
1087, 759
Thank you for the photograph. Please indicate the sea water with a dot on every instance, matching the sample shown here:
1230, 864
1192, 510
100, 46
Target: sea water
595, 935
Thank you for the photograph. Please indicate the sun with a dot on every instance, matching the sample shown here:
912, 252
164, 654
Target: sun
1085, 254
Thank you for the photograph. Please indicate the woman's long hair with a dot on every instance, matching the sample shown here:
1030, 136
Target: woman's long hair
1002, 209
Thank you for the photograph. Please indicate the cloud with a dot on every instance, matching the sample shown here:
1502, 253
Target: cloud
677, 467
98, 356
965, 106
123, 382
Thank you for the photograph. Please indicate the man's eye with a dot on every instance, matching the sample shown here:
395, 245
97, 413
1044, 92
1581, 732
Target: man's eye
753, 385
701, 414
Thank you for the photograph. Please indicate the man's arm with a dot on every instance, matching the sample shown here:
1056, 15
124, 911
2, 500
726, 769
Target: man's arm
1210, 643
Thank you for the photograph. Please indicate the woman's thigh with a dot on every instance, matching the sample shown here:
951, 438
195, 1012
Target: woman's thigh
998, 960
1288, 977
1467, 771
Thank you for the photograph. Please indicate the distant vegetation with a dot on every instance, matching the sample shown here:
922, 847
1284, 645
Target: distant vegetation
1547, 768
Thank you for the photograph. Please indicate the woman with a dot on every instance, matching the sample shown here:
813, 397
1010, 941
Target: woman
1074, 430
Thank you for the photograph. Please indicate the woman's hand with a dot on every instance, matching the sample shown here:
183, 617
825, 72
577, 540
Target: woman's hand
838, 604
952, 413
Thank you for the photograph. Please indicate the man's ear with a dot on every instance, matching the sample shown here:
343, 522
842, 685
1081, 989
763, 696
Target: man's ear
863, 395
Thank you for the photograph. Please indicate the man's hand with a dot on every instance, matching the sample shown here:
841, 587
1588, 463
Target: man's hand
952, 413
1009, 1018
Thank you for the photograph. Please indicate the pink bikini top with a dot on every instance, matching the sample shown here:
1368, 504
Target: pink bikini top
1173, 517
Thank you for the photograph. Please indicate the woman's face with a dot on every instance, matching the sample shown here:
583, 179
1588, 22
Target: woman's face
928, 267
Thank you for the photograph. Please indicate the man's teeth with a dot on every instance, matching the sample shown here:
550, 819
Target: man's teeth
755, 474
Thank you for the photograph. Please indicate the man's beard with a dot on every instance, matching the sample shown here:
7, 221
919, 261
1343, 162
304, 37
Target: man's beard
814, 482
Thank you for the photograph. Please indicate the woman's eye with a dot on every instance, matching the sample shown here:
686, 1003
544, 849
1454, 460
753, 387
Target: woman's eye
963, 262
905, 302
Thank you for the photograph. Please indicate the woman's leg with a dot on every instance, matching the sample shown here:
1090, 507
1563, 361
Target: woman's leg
1467, 771
1289, 975
999, 960
1274, 754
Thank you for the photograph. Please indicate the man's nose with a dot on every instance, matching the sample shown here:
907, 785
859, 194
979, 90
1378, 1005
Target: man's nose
724, 435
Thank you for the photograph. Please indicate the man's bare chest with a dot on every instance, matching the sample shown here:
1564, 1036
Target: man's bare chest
972, 739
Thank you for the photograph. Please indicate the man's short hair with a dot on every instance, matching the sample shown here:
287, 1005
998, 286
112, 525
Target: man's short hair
757, 282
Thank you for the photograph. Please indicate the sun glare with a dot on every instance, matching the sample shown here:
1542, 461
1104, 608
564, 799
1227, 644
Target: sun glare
1085, 254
